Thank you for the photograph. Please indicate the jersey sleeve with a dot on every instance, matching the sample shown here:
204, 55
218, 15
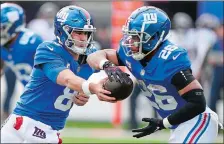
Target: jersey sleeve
50, 62
45, 54
52, 69
177, 61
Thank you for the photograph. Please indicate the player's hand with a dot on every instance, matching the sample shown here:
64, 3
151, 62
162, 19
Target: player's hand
101, 92
80, 99
153, 126
114, 71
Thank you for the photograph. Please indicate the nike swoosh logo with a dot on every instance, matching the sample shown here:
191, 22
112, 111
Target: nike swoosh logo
175, 57
50, 48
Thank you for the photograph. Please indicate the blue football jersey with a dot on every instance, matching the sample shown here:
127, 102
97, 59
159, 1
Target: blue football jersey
20, 55
43, 99
155, 78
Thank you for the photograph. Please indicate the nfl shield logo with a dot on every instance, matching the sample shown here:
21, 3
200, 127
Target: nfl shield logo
78, 69
142, 72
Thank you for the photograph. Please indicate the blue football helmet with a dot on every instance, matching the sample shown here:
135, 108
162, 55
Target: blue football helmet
145, 29
12, 21
73, 18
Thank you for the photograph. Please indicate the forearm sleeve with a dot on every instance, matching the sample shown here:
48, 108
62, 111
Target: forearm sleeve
195, 99
195, 105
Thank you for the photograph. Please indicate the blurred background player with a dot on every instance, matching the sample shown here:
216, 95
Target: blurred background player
198, 41
43, 24
205, 38
164, 72
16, 39
45, 18
215, 59
201, 39
57, 80
182, 23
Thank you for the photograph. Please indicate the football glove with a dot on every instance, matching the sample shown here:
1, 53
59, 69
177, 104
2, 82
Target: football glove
153, 126
114, 71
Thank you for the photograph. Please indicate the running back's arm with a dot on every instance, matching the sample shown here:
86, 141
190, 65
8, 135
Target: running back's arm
191, 91
97, 57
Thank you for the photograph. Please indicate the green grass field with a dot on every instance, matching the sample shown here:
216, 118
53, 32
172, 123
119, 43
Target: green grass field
88, 124
100, 132
93, 124
101, 125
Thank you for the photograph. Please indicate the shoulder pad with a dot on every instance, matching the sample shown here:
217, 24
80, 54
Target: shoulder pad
46, 52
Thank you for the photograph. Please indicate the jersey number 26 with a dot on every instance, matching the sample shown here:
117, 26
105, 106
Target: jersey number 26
158, 92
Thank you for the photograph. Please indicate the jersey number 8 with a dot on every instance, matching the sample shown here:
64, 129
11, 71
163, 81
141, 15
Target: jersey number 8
59, 101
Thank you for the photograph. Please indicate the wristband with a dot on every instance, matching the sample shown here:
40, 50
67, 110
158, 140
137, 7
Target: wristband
85, 88
102, 62
166, 123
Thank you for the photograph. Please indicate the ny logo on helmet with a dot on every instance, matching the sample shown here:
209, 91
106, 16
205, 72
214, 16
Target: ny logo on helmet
62, 16
150, 17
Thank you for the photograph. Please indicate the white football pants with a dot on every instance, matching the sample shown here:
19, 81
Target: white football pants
201, 129
22, 129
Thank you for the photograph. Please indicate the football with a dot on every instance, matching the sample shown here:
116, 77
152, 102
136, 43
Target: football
118, 90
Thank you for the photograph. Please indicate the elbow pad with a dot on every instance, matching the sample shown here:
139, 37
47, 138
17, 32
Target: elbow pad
196, 97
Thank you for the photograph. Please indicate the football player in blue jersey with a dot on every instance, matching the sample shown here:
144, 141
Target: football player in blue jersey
18, 47
164, 74
57, 81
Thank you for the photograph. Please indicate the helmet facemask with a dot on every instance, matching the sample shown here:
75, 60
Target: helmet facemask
6, 29
71, 43
133, 42
144, 40
5, 37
